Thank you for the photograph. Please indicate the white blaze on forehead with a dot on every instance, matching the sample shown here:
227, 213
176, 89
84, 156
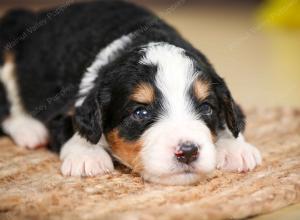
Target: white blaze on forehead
175, 75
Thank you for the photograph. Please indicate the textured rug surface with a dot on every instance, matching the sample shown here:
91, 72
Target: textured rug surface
31, 186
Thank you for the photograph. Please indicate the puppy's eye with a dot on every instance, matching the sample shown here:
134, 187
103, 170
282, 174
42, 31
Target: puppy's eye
206, 109
141, 113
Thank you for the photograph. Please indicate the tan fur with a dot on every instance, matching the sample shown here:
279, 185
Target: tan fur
9, 57
128, 151
201, 89
71, 112
143, 93
214, 137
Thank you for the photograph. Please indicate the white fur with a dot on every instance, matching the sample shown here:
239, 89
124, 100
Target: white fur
175, 76
105, 56
179, 122
8, 78
24, 130
81, 158
235, 154
162, 140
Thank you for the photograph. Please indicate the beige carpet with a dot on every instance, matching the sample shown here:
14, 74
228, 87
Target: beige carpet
31, 186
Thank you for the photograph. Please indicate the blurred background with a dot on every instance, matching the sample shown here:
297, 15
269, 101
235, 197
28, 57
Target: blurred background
253, 44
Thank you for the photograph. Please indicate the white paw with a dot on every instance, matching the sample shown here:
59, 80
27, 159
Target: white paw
26, 131
237, 155
84, 159
91, 162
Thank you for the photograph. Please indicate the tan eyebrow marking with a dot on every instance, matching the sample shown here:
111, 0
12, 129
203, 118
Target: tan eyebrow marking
201, 89
9, 57
143, 93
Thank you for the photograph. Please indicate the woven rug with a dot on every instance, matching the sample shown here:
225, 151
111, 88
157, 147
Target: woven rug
31, 186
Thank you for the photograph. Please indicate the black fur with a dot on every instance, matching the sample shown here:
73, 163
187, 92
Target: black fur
53, 48
233, 114
4, 107
60, 131
118, 111
13, 28
88, 118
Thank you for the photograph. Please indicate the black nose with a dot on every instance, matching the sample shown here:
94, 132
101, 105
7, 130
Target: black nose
187, 153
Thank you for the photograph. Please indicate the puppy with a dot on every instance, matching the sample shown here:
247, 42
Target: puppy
108, 79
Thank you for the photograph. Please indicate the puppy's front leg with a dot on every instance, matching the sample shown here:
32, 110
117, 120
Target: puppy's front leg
235, 154
81, 158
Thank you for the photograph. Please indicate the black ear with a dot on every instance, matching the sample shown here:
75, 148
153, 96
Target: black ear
233, 114
88, 119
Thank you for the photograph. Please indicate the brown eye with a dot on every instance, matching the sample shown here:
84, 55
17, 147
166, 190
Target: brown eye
206, 109
141, 113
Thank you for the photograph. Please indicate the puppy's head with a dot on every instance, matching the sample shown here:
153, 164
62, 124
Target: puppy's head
159, 109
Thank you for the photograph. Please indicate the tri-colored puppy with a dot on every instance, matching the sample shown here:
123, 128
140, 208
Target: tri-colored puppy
109, 79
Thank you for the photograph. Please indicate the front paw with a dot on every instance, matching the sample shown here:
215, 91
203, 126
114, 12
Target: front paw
88, 162
237, 155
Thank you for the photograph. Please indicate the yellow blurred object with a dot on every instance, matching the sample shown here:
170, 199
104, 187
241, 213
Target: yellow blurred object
280, 13
280, 21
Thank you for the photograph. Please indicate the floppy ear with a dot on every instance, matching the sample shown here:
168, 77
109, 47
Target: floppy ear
234, 116
88, 119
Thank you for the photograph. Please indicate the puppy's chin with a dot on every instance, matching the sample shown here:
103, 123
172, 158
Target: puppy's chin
184, 178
